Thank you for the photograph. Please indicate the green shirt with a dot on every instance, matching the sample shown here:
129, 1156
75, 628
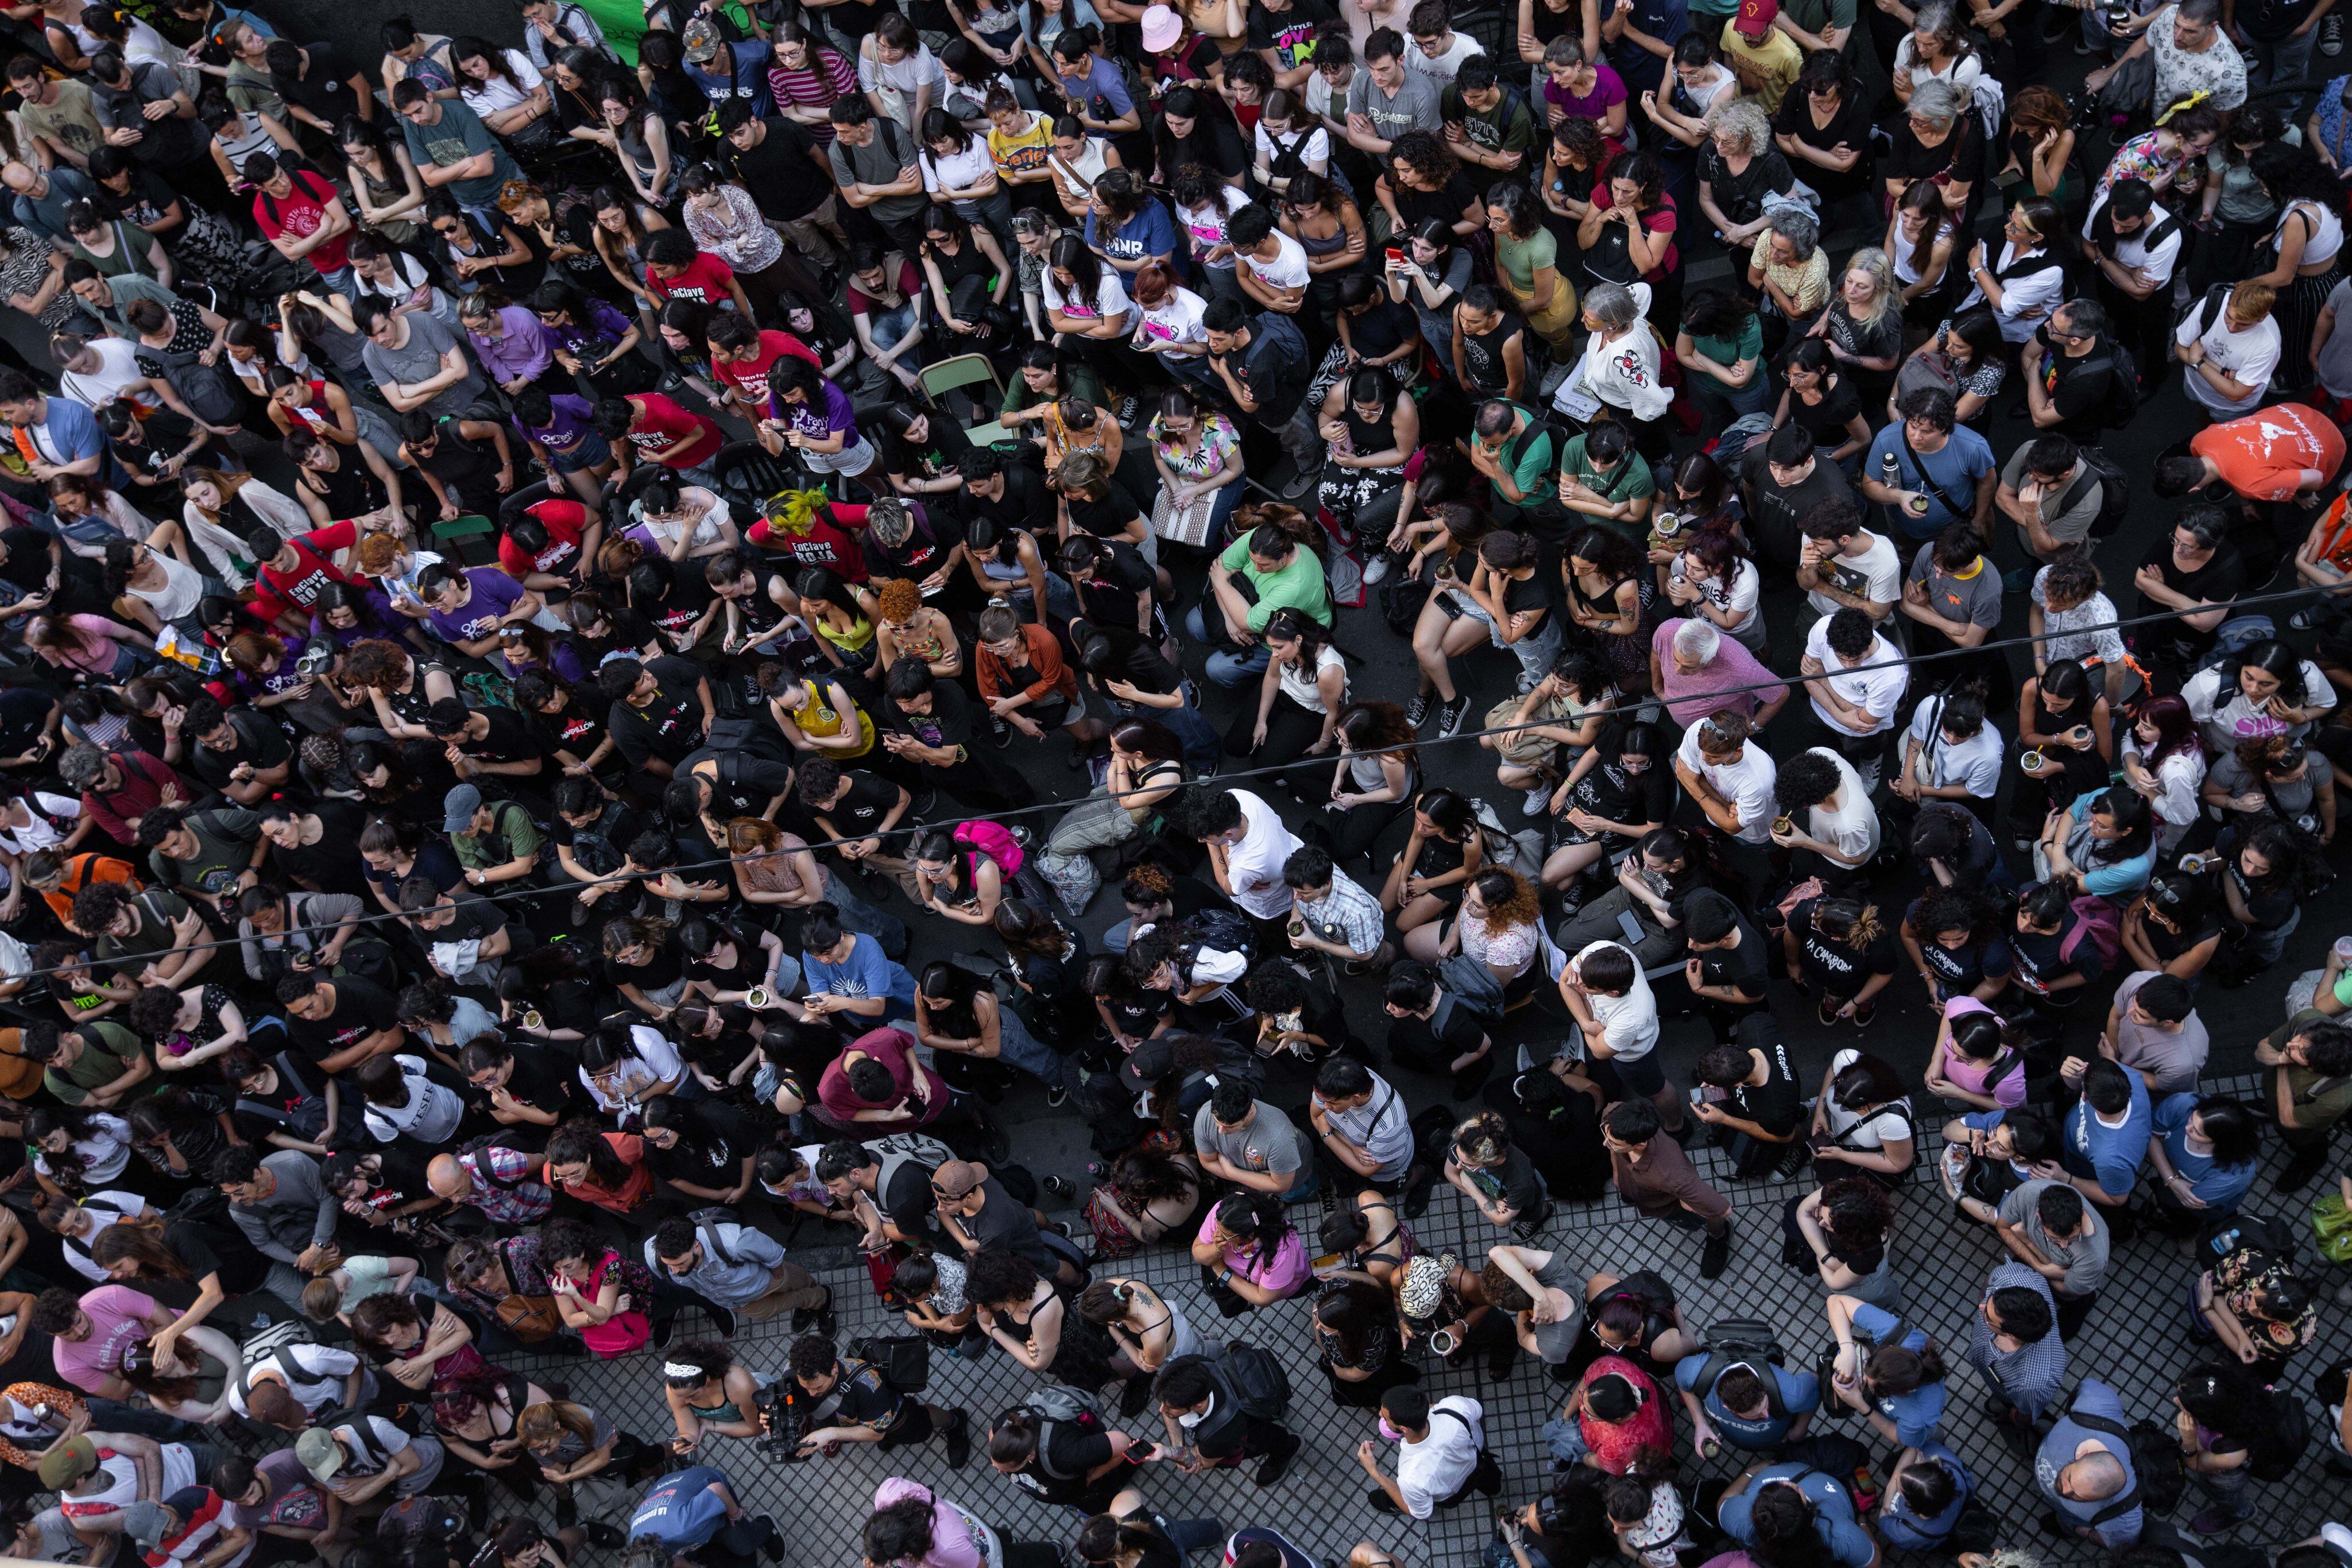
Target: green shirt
108, 1052
1505, 128
1520, 259
1812, 16
1630, 480
1298, 586
1531, 460
458, 135
225, 841
1727, 352
513, 836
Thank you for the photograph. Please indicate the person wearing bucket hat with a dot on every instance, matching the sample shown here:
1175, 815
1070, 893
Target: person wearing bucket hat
1179, 55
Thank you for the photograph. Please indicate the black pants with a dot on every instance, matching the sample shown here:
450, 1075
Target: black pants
2143, 326
737, 1545
1290, 729
2073, 1312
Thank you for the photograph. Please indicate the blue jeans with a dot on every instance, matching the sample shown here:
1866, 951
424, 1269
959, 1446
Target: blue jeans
344, 281
2276, 62
890, 326
860, 917
1225, 669
1189, 1535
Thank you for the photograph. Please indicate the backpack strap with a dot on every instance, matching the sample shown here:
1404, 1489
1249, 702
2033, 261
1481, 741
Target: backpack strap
710, 1235
1719, 1362
2118, 1507
1957, 509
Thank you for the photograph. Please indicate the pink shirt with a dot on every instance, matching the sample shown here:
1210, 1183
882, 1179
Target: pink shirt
1691, 698
118, 1319
2009, 1092
952, 1545
1282, 1273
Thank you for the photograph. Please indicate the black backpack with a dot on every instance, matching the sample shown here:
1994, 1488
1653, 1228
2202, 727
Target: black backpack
1742, 1342
2283, 1441
2115, 494
1226, 930
1260, 1384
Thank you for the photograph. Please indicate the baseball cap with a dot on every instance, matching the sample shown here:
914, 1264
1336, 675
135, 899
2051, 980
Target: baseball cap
67, 1462
702, 40
1756, 16
1162, 28
957, 1178
457, 808
144, 1521
1147, 1064
320, 1453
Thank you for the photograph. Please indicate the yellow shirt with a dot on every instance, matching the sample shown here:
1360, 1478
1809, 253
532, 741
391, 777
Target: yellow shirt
1024, 151
819, 720
1766, 69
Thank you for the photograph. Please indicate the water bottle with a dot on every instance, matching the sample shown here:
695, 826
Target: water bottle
1890, 472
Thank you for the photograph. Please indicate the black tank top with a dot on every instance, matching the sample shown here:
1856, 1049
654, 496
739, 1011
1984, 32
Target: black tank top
1482, 355
1366, 436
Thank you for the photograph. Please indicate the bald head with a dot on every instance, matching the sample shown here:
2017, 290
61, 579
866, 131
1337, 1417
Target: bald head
447, 1178
2094, 1477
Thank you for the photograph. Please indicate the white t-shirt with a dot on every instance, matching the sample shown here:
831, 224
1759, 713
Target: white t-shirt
1207, 226
1288, 267
1847, 821
1317, 149
656, 1061
1258, 859
314, 1375
1885, 1127
1740, 597
496, 96
1974, 762
1441, 69
1177, 320
957, 169
431, 1115
2251, 356
2132, 251
1878, 692
1746, 783
1876, 574
1110, 297
1630, 1023
118, 367
1439, 1465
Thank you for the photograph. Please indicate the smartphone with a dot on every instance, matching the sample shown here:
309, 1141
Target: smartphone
1143, 1449
1396, 257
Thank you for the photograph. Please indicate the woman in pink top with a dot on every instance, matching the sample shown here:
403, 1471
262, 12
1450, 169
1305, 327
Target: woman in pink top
1979, 1059
90, 645
1247, 1245
911, 1528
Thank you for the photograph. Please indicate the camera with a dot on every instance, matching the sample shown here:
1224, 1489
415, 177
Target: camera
785, 1407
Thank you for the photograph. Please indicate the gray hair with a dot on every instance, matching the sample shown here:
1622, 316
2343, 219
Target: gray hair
1935, 101
1613, 306
1799, 228
1740, 118
1698, 638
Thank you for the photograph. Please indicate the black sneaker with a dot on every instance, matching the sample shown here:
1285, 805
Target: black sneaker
722, 1320
606, 1537
999, 732
1416, 712
1715, 1256
958, 1438
1827, 1014
664, 1329
816, 1320
1057, 1187
2331, 35
1134, 1395
1862, 1013
1451, 715
1271, 1468
772, 1540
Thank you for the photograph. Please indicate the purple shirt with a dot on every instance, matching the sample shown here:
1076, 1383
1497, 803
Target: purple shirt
1608, 87
810, 419
1691, 698
605, 325
566, 429
494, 594
523, 353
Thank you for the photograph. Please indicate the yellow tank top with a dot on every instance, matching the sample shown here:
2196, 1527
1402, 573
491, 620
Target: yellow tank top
821, 720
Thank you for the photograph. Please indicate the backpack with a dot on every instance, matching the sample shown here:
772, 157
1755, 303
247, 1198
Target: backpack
1058, 1404
1225, 930
2284, 1440
896, 1148
1260, 1383
1521, 851
1978, 1529
994, 840
2206, 311
1741, 1342
481, 1167
2114, 490
2231, 1232
2130, 1499
271, 1343
420, 1521
904, 1361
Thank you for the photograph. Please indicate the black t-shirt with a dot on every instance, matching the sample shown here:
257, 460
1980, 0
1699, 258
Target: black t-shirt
783, 182
257, 740
542, 1079
333, 864
1426, 1038
324, 89
2085, 389
711, 1150
1742, 968
1113, 590
664, 969
1072, 1452
580, 728
1002, 1222
863, 808
1614, 794
512, 738
1741, 196
1850, 125
1839, 967
924, 550
949, 724
361, 1009
1829, 421
669, 726
740, 785
1289, 32
1215, 145
435, 859
1025, 501
1961, 153
2040, 963
1778, 513
2220, 580
908, 1199
1777, 1105
2269, 910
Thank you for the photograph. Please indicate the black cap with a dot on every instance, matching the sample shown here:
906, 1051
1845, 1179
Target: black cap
1147, 1064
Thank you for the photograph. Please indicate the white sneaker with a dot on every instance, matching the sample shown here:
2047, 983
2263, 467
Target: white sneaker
1538, 801
1376, 569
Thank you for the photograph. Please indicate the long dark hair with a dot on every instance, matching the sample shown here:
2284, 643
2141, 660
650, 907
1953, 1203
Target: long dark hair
1259, 1219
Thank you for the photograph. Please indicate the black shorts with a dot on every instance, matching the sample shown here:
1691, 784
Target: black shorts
1642, 1075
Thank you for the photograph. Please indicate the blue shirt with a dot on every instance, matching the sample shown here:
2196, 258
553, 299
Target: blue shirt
46, 216
1905, 1530
1641, 71
1800, 1394
1848, 1542
1956, 466
750, 81
70, 432
867, 973
1103, 88
2112, 877
2030, 1376
2057, 1451
1150, 232
681, 1511
2110, 1155
2219, 1188
1915, 1415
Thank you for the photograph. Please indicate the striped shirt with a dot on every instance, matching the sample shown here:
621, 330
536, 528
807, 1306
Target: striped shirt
503, 1191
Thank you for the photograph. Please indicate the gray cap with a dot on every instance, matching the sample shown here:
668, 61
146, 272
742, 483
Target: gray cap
144, 1521
457, 808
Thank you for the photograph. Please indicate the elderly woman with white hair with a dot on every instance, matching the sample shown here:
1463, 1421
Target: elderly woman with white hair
1621, 362
1696, 671
1738, 167
1790, 266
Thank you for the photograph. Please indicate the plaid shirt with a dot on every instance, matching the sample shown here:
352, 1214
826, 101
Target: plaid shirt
2032, 1374
1350, 917
501, 1192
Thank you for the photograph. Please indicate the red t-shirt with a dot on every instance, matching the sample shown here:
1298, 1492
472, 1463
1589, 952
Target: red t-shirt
660, 422
863, 304
894, 1049
2261, 455
274, 592
704, 282
826, 543
301, 215
565, 521
751, 381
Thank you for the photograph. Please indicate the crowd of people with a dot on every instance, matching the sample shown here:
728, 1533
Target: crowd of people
536, 568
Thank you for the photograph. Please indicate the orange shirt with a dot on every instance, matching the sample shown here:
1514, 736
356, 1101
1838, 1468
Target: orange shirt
80, 871
2261, 455
633, 1191
20, 1075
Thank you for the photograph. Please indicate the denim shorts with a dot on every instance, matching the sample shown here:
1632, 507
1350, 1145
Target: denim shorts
592, 450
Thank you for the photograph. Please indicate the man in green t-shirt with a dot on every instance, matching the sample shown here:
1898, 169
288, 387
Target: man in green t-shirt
494, 842
95, 1064
1603, 479
453, 148
1486, 124
1258, 575
1517, 455
2308, 1088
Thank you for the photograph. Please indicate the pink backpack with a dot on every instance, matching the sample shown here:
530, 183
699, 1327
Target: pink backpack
994, 840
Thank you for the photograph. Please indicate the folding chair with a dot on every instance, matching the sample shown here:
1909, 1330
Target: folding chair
471, 538
967, 371
749, 474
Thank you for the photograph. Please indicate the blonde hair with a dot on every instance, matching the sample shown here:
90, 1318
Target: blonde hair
543, 1425
228, 484
1884, 293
